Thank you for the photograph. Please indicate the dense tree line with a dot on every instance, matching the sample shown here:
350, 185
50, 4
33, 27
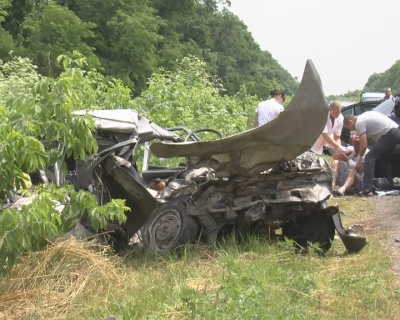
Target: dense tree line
389, 78
377, 82
131, 39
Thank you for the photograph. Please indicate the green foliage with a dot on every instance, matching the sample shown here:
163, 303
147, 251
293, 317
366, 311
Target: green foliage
24, 154
17, 78
126, 37
6, 40
379, 81
191, 97
52, 31
349, 96
224, 43
240, 60
52, 212
131, 39
38, 131
40, 114
83, 202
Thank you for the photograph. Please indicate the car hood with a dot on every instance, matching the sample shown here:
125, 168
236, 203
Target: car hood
385, 107
248, 153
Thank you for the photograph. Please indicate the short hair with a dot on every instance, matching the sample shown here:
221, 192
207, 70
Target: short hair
347, 119
277, 92
388, 89
335, 105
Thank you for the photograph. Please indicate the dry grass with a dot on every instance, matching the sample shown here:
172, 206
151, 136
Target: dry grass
52, 283
79, 280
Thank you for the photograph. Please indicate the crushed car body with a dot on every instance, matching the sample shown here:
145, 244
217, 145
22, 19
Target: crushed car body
261, 180
250, 152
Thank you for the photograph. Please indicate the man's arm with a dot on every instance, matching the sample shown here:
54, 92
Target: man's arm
363, 146
334, 142
256, 120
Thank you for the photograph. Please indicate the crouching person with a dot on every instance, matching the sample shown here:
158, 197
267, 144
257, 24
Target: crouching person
385, 132
354, 166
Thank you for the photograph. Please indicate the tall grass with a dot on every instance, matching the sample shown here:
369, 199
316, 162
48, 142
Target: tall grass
248, 279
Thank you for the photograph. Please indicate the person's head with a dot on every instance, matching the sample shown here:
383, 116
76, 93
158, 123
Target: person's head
278, 95
335, 108
349, 122
388, 91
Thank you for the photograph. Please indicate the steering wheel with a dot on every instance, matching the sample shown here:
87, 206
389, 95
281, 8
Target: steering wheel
193, 135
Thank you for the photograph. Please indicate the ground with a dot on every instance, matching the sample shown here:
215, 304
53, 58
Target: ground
386, 221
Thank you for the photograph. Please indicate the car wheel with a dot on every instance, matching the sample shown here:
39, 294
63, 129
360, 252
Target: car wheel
169, 227
317, 228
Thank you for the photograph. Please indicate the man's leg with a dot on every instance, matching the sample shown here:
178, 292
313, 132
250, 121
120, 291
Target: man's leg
335, 168
381, 149
349, 181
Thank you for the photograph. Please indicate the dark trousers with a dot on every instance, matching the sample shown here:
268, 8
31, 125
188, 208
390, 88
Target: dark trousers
381, 150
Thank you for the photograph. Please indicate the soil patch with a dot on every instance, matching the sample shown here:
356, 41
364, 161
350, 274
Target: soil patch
386, 222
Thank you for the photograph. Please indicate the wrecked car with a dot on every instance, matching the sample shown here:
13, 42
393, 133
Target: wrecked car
263, 180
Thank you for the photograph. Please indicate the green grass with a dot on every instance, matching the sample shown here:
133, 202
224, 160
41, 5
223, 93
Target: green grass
249, 279
256, 280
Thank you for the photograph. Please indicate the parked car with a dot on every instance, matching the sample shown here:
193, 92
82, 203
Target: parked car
372, 96
356, 109
385, 107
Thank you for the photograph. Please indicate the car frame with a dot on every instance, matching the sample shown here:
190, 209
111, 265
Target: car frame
260, 180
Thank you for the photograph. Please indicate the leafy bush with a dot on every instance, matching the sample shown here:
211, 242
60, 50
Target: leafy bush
38, 131
51, 212
192, 97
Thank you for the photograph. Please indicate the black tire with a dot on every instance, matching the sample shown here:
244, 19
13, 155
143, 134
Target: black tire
169, 227
316, 228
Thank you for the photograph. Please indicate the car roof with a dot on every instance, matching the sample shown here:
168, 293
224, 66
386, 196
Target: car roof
370, 96
127, 121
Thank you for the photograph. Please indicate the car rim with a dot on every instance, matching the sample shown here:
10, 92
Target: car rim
165, 229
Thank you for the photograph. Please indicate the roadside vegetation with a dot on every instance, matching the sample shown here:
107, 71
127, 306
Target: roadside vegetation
249, 279
36, 116
182, 63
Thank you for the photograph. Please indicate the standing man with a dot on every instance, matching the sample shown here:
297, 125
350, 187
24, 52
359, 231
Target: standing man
269, 109
388, 93
385, 132
330, 137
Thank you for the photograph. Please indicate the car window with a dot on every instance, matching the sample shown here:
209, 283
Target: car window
357, 110
347, 111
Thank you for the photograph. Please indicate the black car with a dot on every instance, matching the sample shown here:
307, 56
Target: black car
360, 107
357, 109
385, 107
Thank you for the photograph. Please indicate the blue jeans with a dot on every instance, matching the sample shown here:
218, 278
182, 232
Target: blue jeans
381, 150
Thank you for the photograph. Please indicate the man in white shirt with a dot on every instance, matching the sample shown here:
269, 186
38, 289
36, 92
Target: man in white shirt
269, 109
330, 136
